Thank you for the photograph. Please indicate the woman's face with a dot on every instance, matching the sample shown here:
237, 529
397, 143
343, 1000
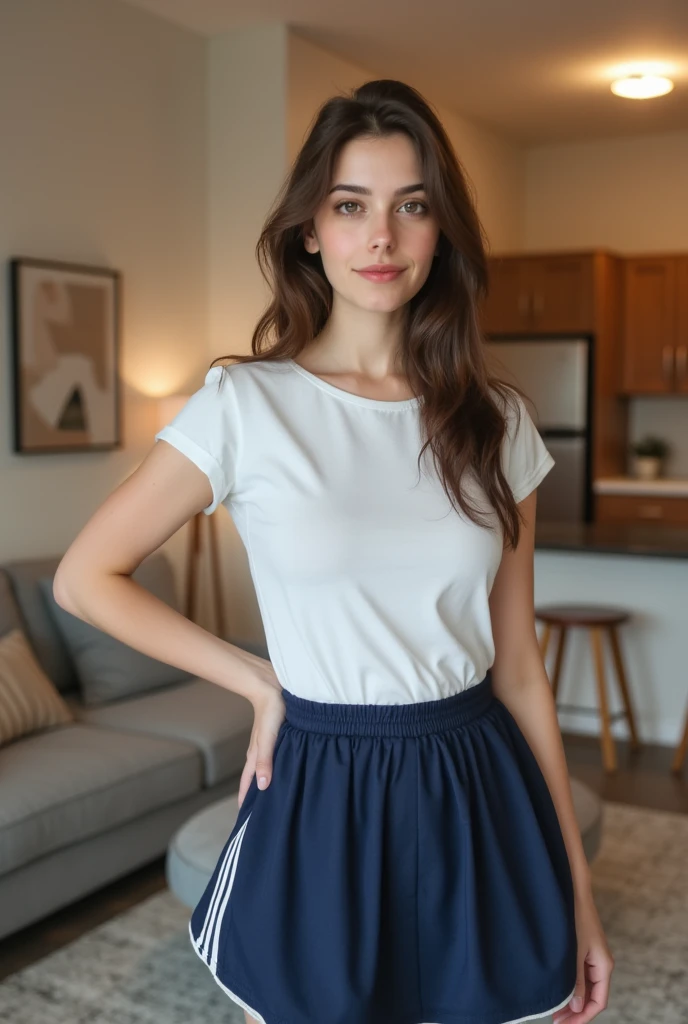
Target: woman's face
363, 222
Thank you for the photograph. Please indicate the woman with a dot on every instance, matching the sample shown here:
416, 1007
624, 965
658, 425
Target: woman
406, 848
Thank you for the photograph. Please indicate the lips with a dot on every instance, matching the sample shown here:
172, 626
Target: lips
381, 275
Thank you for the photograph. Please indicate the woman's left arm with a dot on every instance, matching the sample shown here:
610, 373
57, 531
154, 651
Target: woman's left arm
521, 683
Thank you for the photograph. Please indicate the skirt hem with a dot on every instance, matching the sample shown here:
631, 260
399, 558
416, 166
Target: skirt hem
212, 967
445, 1017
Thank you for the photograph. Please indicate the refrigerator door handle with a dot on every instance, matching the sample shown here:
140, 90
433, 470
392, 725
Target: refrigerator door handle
681, 361
667, 361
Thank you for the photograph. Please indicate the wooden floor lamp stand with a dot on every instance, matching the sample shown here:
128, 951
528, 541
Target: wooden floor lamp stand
194, 552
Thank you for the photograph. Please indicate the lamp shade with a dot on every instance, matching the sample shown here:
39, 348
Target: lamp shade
168, 407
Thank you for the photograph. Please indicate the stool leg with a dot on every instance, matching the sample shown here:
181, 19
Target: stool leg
623, 685
682, 749
608, 745
563, 633
544, 639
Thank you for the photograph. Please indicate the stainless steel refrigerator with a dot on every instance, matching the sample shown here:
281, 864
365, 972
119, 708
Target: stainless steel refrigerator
555, 374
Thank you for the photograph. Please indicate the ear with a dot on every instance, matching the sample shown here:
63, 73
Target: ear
310, 239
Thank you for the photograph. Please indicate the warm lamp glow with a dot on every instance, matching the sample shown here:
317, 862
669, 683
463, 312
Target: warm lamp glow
168, 406
642, 87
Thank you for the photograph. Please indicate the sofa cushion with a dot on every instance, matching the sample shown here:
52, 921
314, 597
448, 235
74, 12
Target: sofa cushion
21, 598
28, 700
107, 668
64, 785
216, 720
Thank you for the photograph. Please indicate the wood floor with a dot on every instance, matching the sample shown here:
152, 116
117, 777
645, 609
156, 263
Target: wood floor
643, 779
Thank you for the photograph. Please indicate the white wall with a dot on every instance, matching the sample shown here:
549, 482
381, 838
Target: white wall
103, 127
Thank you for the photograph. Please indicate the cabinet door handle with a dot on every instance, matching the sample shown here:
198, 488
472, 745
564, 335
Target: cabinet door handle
681, 361
667, 360
523, 303
650, 511
538, 303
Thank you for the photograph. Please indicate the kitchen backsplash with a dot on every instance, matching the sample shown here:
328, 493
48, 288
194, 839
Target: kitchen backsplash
663, 416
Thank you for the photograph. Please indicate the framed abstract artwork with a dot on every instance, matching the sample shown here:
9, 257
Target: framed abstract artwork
65, 330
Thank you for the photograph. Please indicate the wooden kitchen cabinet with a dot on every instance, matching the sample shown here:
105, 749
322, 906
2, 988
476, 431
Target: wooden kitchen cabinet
540, 295
655, 325
681, 352
640, 508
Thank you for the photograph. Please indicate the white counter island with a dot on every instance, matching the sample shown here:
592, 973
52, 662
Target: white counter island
644, 569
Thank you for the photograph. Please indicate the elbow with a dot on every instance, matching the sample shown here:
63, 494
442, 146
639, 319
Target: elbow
61, 591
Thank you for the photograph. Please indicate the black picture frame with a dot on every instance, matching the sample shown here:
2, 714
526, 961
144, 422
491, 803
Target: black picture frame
65, 341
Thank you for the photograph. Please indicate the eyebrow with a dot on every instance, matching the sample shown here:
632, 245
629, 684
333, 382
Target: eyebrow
360, 190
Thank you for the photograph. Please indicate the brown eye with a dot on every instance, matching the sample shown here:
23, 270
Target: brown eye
346, 202
417, 202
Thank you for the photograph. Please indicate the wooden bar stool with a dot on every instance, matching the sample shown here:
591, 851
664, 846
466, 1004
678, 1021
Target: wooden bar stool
681, 749
599, 619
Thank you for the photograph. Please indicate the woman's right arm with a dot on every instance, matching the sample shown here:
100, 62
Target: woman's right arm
93, 580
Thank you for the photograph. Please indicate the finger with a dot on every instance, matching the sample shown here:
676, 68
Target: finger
593, 1006
574, 1008
597, 1000
263, 769
566, 1013
577, 1001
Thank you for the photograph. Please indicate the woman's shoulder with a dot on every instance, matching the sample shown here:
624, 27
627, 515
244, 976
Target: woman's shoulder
242, 374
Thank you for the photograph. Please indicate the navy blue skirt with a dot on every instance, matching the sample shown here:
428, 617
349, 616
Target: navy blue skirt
404, 866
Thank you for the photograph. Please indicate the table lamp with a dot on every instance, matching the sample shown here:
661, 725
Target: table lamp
167, 408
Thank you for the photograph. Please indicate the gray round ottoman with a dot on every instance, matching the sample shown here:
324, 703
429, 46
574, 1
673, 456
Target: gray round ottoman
195, 849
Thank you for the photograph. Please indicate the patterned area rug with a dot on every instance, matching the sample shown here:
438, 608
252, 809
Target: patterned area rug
139, 968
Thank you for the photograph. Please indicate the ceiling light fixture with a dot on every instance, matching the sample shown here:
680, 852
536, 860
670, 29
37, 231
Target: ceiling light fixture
642, 87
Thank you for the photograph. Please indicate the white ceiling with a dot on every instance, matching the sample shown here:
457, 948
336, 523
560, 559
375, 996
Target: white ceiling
535, 71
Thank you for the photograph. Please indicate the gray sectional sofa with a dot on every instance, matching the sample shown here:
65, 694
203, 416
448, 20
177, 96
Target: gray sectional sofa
84, 803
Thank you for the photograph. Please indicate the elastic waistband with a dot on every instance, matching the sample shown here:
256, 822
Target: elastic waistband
389, 719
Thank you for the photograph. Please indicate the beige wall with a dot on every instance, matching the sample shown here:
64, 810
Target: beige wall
626, 194
103, 127
247, 97
495, 168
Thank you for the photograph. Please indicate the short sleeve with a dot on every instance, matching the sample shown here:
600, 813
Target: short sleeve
525, 458
207, 430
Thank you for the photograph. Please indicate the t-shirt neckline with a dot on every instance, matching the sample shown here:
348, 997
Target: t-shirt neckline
348, 396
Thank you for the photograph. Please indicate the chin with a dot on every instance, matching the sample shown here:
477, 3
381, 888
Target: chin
387, 306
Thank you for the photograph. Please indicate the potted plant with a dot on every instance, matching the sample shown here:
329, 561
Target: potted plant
647, 457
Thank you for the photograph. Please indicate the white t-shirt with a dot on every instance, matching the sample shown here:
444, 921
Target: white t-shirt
371, 587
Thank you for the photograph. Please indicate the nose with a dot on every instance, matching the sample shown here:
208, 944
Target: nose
381, 232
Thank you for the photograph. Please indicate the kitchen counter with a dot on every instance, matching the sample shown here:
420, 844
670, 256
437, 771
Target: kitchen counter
662, 541
664, 486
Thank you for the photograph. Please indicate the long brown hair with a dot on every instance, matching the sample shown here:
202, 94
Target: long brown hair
463, 416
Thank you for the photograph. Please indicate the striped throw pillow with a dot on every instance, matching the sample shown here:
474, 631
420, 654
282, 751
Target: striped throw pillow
28, 699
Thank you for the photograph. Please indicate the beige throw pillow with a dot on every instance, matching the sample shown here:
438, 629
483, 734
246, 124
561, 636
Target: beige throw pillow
28, 699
